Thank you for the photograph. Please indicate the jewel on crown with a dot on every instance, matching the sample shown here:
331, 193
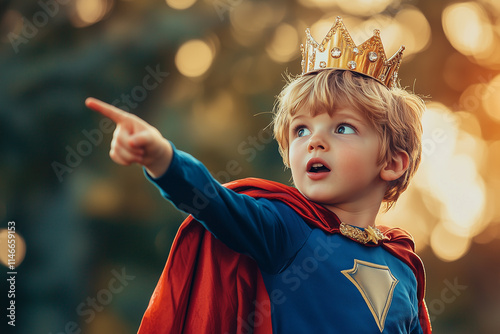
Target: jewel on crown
338, 51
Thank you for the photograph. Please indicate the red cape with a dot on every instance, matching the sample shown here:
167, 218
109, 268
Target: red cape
208, 288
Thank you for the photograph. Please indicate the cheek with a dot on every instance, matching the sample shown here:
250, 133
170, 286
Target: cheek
358, 163
349, 155
294, 158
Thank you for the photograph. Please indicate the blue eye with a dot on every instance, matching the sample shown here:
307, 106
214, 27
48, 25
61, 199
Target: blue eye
303, 132
345, 129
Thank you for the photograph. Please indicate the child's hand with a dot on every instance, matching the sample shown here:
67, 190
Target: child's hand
134, 140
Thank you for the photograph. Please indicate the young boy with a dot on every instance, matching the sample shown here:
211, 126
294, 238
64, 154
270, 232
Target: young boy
260, 257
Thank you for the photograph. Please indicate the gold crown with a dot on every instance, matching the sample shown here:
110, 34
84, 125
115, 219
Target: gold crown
338, 51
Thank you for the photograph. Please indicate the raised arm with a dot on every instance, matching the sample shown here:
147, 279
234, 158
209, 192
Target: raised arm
268, 232
134, 140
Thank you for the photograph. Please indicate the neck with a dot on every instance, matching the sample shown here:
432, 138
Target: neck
360, 211
354, 216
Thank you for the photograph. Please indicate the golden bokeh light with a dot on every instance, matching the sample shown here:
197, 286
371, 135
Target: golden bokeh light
407, 214
20, 248
321, 27
249, 21
363, 7
88, 12
493, 162
353, 7
493, 5
472, 97
416, 30
470, 143
440, 129
215, 121
180, 4
492, 169
194, 58
471, 125
491, 99
392, 37
462, 192
318, 3
450, 180
467, 27
102, 199
284, 45
448, 246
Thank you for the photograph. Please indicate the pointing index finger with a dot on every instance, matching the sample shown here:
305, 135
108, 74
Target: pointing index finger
115, 114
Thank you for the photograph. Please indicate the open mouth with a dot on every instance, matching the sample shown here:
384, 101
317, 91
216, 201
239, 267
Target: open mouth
317, 167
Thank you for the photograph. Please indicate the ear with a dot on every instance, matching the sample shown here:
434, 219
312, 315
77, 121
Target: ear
395, 166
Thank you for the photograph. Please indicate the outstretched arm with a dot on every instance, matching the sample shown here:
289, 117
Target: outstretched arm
247, 225
134, 140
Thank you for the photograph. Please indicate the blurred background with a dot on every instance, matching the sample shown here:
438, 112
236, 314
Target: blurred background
93, 237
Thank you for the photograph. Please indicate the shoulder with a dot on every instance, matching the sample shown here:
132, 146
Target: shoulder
400, 243
399, 236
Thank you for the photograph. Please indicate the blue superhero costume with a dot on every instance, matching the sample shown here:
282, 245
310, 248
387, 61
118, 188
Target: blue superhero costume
308, 277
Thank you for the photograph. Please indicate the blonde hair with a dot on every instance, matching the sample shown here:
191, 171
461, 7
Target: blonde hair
394, 113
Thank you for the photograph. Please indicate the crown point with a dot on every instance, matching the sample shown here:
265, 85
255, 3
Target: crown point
376, 32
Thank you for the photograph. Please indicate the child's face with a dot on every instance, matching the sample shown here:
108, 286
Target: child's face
334, 158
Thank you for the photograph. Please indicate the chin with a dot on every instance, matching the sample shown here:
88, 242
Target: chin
319, 198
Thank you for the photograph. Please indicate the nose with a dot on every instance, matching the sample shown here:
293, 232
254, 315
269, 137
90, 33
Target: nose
317, 142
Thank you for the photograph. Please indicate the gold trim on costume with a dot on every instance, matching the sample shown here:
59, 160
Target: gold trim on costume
376, 284
369, 234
